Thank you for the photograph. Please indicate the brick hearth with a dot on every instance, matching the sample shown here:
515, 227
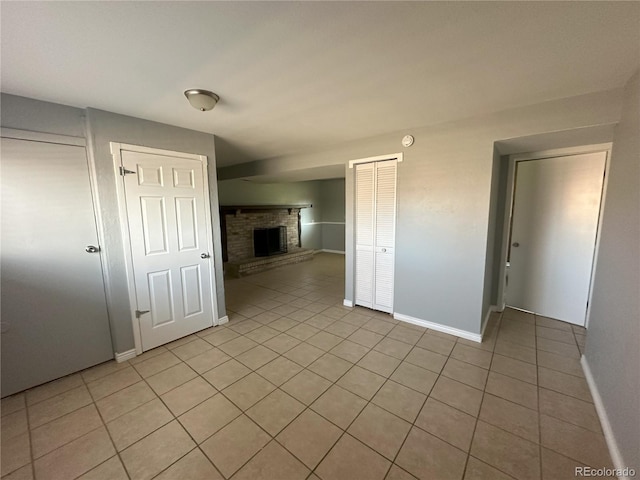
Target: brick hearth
238, 224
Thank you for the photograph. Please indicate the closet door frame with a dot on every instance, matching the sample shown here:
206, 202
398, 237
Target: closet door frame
97, 345
350, 241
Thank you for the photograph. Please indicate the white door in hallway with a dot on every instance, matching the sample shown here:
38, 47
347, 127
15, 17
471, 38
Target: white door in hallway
555, 221
170, 243
375, 224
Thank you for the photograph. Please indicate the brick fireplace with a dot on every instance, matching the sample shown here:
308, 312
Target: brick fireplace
238, 224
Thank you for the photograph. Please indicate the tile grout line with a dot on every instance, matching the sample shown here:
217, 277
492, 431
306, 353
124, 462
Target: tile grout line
243, 412
93, 402
477, 419
143, 379
427, 396
541, 466
30, 437
307, 407
539, 413
495, 426
370, 349
104, 425
33, 459
345, 430
499, 326
413, 345
393, 462
175, 418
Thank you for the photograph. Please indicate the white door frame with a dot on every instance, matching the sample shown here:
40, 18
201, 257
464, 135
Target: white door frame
116, 152
93, 185
350, 241
508, 211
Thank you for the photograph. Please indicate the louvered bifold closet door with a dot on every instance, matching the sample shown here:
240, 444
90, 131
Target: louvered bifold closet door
365, 209
385, 224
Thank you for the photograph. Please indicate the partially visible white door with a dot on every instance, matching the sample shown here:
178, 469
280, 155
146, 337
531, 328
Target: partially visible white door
385, 226
375, 234
555, 222
166, 204
364, 231
54, 310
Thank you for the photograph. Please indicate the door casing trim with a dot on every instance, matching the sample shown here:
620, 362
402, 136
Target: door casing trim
124, 356
116, 152
86, 143
350, 234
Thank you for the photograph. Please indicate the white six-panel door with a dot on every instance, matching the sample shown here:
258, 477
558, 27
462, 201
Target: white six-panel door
375, 234
166, 206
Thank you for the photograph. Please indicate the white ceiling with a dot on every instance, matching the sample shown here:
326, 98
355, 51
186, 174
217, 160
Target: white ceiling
299, 76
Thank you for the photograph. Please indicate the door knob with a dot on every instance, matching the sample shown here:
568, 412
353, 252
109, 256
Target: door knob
515, 244
204, 255
92, 249
384, 250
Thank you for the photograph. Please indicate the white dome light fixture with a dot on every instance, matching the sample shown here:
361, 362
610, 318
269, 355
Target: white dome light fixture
202, 100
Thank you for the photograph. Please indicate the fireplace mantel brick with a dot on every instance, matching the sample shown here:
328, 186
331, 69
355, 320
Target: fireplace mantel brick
240, 230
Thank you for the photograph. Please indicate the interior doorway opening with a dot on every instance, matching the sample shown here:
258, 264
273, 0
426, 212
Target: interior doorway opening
550, 234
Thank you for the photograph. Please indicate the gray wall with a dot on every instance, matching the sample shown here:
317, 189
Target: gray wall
613, 336
500, 233
444, 200
494, 237
34, 115
100, 128
241, 192
332, 201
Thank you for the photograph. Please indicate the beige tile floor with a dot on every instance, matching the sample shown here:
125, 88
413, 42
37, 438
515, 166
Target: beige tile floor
297, 386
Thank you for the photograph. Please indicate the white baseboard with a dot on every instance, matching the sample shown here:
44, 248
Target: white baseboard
124, 356
474, 337
347, 303
519, 309
223, 320
609, 437
326, 250
492, 308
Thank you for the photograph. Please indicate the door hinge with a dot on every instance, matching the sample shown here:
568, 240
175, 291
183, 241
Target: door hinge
139, 313
124, 171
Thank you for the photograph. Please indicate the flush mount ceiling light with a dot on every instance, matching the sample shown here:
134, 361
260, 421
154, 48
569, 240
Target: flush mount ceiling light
202, 100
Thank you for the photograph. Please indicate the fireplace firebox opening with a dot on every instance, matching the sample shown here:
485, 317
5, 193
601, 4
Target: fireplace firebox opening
269, 241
